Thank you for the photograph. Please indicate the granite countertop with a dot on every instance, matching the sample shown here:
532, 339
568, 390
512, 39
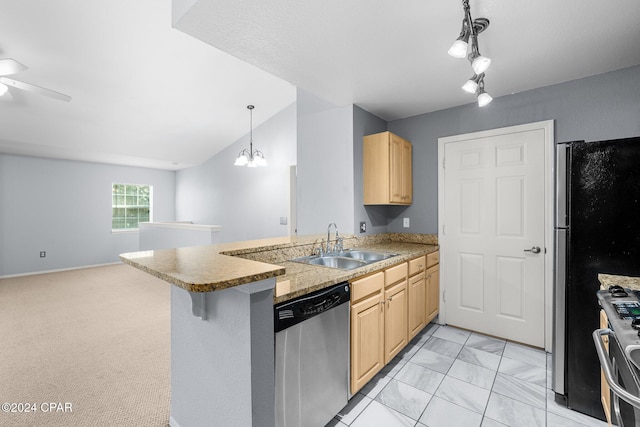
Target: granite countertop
625, 281
216, 267
301, 279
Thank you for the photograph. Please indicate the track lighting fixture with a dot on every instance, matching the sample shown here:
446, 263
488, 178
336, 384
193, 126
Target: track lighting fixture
468, 42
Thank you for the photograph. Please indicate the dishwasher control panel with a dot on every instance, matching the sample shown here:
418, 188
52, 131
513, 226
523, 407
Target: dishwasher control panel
292, 312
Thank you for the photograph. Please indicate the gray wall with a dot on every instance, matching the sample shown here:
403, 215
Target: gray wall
246, 202
325, 165
606, 106
64, 208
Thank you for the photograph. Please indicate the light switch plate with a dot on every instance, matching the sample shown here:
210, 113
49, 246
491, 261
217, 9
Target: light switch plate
283, 220
405, 222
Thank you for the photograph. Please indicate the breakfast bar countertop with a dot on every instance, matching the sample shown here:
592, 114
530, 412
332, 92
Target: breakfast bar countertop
216, 267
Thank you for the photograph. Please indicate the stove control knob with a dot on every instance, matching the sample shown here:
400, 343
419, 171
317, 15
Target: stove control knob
635, 324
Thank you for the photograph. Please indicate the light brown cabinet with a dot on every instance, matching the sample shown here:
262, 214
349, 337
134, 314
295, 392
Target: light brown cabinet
387, 170
395, 316
417, 296
388, 308
433, 285
367, 329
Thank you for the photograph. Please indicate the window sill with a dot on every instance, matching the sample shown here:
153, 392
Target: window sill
125, 231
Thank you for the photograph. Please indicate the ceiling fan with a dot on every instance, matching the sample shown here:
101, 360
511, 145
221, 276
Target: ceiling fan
10, 66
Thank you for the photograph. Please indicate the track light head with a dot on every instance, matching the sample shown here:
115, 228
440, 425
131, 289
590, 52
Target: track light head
480, 64
458, 49
483, 97
471, 85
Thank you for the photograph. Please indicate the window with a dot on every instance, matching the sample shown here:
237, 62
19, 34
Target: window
130, 205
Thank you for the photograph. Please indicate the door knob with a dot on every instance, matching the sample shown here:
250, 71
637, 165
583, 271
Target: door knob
535, 250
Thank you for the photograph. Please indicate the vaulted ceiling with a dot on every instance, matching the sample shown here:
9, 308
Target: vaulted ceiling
146, 94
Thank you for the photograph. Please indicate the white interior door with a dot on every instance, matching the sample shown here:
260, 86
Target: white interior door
493, 233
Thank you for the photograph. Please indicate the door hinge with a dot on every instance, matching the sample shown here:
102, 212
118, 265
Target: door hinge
444, 296
444, 162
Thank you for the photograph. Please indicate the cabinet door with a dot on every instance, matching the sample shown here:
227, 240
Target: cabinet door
433, 292
367, 340
395, 320
417, 304
396, 170
605, 393
407, 172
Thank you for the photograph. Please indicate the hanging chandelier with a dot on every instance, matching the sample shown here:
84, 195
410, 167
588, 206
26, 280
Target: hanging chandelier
250, 158
468, 42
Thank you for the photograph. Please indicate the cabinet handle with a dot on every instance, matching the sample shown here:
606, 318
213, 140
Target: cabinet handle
381, 305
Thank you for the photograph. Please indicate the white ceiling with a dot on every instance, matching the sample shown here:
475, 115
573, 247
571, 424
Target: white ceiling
149, 95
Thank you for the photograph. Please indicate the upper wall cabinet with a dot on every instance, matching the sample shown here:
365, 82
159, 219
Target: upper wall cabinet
388, 178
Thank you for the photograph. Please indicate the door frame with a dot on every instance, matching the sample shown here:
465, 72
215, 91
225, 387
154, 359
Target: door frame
549, 173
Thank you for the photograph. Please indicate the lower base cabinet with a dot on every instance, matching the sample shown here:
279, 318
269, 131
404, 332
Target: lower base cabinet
367, 329
433, 285
433, 292
389, 308
396, 331
417, 304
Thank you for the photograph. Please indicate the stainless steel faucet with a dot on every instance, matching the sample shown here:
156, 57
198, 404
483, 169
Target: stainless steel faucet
338, 245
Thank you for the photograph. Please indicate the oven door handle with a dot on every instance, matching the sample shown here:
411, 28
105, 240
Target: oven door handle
605, 363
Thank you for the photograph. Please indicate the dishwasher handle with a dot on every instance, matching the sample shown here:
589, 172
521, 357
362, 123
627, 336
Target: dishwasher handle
607, 369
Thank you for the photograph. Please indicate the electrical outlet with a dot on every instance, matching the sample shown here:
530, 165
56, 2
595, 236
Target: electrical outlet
43, 254
363, 226
405, 222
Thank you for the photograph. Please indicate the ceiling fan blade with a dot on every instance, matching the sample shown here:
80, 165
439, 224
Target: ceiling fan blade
35, 89
10, 66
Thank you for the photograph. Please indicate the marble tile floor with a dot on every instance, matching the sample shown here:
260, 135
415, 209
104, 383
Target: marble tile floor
448, 377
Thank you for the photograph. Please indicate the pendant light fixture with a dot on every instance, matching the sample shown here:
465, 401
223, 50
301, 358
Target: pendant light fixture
250, 158
468, 42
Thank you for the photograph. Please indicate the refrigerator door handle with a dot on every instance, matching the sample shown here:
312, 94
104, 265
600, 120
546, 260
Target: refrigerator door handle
562, 155
559, 308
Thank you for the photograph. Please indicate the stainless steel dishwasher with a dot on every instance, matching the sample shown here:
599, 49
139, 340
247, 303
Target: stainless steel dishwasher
312, 357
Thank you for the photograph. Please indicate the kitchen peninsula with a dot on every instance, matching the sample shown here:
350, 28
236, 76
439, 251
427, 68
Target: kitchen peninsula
222, 338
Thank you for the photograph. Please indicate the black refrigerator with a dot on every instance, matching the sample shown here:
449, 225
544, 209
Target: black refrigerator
597, 230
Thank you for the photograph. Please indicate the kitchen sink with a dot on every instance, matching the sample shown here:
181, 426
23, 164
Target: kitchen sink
338, 262
367, 256
346, 260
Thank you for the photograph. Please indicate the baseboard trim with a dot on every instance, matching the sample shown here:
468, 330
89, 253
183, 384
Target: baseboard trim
173, 423
33, 273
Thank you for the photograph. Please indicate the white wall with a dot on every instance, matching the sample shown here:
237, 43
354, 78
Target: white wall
64, 208
246, 202
325, 165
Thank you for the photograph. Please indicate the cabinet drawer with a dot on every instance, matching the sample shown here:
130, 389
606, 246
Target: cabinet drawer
366, 286
417, 265
395, 274
433, 258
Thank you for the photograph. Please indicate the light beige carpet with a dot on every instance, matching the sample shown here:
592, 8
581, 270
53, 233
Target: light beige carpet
97, 339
